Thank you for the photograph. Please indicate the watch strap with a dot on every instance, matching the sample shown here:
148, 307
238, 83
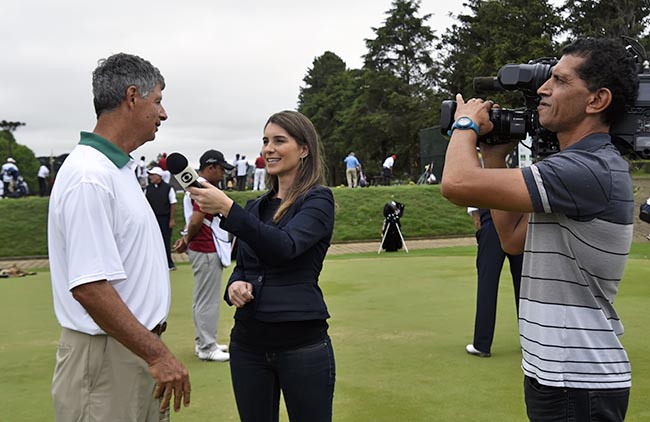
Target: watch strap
473, 126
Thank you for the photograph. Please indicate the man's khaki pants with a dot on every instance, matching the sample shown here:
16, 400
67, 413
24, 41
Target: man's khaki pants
98, 379
353, 177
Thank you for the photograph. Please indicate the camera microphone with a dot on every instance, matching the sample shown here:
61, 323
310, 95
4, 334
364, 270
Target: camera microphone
487, 84
182, 171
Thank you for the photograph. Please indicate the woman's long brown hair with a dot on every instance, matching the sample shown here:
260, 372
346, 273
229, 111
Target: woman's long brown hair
312, 168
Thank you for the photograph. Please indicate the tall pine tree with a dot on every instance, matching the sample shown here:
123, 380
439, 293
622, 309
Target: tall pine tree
492, 34
395, 88
324, 98
607, 18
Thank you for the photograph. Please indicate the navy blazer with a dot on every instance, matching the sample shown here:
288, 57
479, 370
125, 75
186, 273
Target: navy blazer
283, 261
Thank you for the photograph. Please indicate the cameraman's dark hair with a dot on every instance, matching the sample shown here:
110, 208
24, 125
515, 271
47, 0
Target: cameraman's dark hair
118, 72
607, 65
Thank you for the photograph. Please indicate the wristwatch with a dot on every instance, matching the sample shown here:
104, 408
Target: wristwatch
464, 123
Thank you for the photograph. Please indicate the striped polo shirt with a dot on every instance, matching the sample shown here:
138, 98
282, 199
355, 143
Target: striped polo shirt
576, 249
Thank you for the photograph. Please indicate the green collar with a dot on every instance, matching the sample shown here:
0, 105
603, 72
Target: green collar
112, 152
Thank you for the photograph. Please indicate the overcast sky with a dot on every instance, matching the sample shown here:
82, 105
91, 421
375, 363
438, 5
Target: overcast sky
228, 65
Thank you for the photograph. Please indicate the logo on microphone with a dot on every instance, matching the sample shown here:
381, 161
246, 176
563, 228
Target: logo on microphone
186, 177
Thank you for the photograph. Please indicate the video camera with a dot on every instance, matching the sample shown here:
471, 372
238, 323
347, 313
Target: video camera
630, 133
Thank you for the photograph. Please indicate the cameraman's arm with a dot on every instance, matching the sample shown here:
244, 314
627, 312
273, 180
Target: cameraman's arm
511, 226
464, 182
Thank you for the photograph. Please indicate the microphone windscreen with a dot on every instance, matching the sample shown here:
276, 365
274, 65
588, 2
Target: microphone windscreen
184, 173
176, 162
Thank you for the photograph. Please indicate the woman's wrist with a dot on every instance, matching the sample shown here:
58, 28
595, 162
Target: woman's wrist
226, 208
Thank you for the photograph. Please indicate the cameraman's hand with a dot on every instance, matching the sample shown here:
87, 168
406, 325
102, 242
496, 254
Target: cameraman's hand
477, 110
494, 155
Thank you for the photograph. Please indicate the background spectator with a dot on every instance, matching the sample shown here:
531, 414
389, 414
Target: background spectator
43, 182
352, 170
242, 173
162, 198
387, 169
259, 182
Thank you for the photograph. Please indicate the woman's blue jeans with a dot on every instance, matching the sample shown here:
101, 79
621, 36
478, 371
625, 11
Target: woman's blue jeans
305, 376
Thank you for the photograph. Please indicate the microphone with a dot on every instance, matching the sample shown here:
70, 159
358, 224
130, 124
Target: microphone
182, 171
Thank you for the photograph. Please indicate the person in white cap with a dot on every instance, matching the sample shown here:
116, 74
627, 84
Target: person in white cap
9, 174
162, 198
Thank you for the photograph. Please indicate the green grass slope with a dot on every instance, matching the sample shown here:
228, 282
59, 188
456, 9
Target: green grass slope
359, 216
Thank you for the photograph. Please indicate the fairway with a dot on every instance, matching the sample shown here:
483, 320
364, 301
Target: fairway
399, 326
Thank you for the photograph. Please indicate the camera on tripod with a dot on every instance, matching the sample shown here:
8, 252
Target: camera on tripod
630, 133
392, 239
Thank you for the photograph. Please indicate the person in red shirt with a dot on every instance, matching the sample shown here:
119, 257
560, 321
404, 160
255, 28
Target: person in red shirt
162, 161
201, 243
259, 182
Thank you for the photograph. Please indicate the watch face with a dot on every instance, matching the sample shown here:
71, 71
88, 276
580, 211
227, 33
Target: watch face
464, 122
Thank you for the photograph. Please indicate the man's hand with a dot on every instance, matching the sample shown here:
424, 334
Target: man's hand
240, 293
171, 378
180, 245
108, 310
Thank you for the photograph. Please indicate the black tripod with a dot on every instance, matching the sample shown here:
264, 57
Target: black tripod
392, 239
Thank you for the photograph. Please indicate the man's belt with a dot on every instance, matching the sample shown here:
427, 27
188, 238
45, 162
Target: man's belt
159, 329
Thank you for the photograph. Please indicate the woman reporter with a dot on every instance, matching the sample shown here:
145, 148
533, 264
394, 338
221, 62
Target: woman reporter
279, 341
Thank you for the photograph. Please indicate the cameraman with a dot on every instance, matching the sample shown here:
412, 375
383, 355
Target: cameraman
574, 212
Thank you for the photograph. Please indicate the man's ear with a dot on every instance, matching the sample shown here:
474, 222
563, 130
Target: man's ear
131, 95
599, 101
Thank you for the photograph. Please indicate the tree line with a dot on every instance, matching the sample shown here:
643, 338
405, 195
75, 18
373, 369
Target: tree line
409, 69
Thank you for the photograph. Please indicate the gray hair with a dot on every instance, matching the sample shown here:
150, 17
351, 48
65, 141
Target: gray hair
114, 75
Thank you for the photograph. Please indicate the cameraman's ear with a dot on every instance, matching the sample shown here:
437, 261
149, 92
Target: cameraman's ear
599, 101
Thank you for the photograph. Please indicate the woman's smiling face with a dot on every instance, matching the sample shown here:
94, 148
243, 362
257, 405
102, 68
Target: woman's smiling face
281, 151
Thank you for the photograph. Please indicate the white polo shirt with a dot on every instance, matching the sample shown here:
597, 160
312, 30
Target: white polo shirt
101, 227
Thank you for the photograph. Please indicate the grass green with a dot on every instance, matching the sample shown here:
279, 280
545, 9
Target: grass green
399, 326
359, 216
